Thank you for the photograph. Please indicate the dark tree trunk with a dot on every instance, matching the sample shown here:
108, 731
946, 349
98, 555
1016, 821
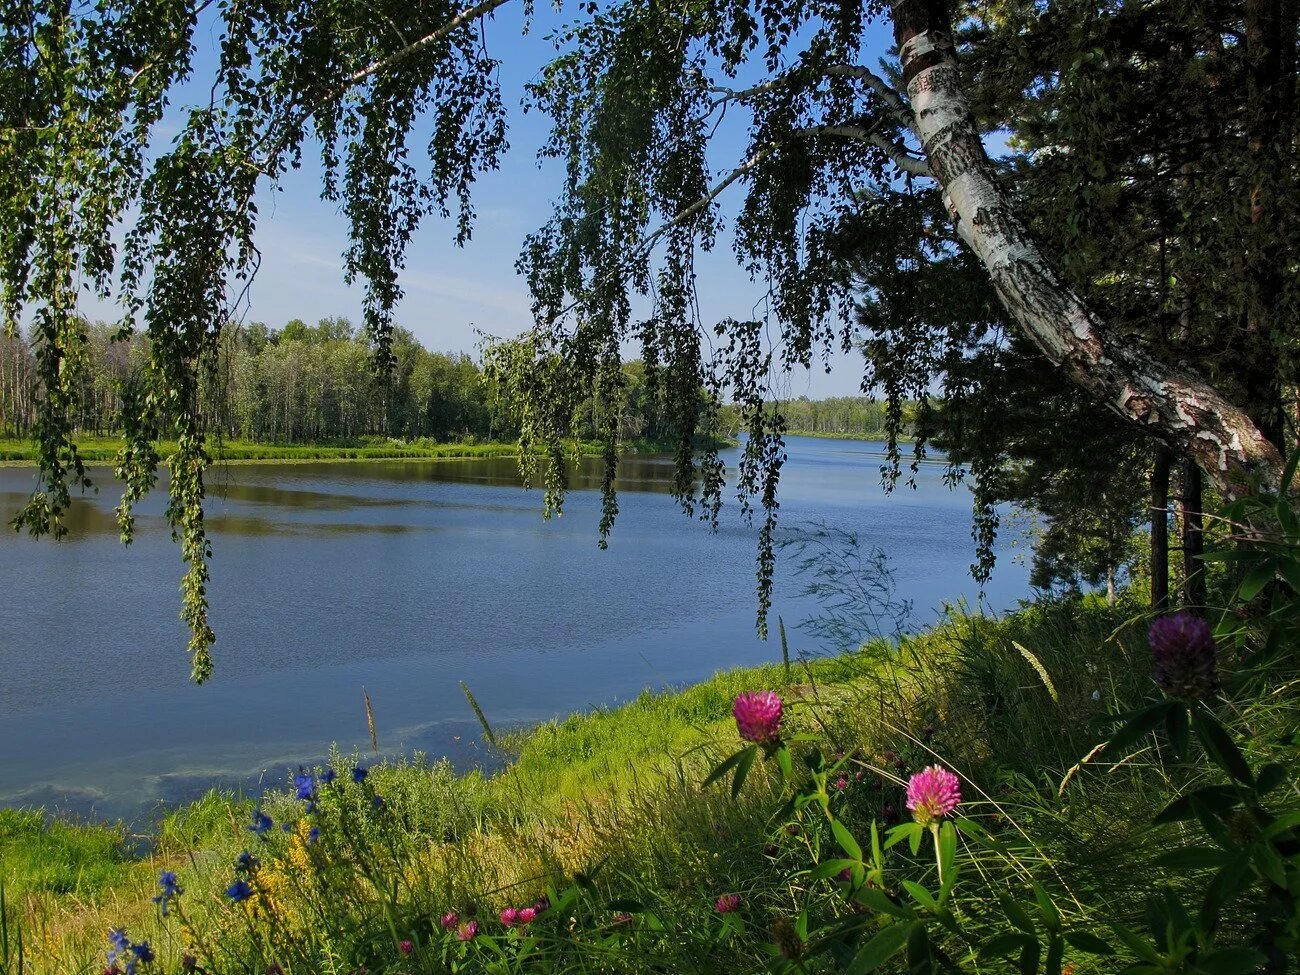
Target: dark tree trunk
1160, 530
1270, 115
1178, 408
1194, 595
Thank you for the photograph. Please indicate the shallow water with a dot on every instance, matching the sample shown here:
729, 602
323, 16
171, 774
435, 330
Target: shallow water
403, 578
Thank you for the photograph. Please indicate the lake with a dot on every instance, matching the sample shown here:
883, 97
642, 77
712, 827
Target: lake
404, 578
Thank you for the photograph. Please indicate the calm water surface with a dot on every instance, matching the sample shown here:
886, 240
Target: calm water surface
402, 578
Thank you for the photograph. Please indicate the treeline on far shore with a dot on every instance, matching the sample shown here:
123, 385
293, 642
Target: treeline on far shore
317, 384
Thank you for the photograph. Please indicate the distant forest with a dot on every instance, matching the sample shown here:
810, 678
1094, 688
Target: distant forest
317, 384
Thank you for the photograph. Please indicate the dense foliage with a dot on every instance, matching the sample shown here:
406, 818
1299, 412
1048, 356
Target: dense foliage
300, 384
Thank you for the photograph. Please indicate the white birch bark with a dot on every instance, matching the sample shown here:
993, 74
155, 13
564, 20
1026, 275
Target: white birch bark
1178, 407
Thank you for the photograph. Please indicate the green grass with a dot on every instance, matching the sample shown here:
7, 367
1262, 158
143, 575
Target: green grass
104, 450
42, 855
1012, 704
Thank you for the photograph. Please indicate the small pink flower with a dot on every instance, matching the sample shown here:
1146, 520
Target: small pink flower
758, 717
450, 919
468, 931
527, 915
622, 917
543, 904
727, 903
932, 794
509, 916
405, 947
841, 783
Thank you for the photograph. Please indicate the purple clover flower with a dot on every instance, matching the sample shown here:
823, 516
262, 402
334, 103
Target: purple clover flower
758, 717
932, 794
727, 903
1183, 656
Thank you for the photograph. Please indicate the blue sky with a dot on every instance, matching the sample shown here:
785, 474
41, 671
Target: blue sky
451, 291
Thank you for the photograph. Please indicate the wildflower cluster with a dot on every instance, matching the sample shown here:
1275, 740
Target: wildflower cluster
126, 956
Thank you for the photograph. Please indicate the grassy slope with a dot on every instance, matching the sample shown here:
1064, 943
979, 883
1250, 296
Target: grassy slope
620, 787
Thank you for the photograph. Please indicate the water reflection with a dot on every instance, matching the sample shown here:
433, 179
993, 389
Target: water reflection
404, 578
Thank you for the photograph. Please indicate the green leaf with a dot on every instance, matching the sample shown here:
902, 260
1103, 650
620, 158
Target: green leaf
901, 832
1001, 945
1281, 825
1269, 864
1051, 917
742, 770
1293, 462
1226, 886
1137, 944
920, 960
1016, 914
1270, 777
783, 760
1088, 942
1220, 798
921, 896
1138, 724
727, 765
1220, 747
1177, 727
877, 901
846, 840
831, 868
1029, 958
879, 949
948, 855
1055, 955
1258, 577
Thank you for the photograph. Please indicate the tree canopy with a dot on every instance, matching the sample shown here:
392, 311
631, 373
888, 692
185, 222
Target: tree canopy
859, 159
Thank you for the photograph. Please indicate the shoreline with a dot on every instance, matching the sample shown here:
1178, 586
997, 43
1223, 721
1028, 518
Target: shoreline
101, 452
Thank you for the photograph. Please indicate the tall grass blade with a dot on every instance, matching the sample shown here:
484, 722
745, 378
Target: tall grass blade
1039, 668
478, 713
785, 648
370, 722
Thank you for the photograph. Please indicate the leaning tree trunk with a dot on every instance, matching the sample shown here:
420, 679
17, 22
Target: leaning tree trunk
1179, 408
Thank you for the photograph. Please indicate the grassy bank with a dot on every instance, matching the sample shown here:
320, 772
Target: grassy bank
103, 450
605, 813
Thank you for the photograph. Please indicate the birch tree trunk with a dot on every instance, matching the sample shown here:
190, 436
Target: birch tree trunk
1177, 407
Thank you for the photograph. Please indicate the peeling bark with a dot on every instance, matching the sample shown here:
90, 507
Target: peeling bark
1179, 408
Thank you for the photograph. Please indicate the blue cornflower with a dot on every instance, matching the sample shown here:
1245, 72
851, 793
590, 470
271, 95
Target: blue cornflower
261, 823
245, 862
329, 775
304, 785
239, 890
313, 835
286, 827
168, 888
359, 774
121, 944
143, 952
377, 802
